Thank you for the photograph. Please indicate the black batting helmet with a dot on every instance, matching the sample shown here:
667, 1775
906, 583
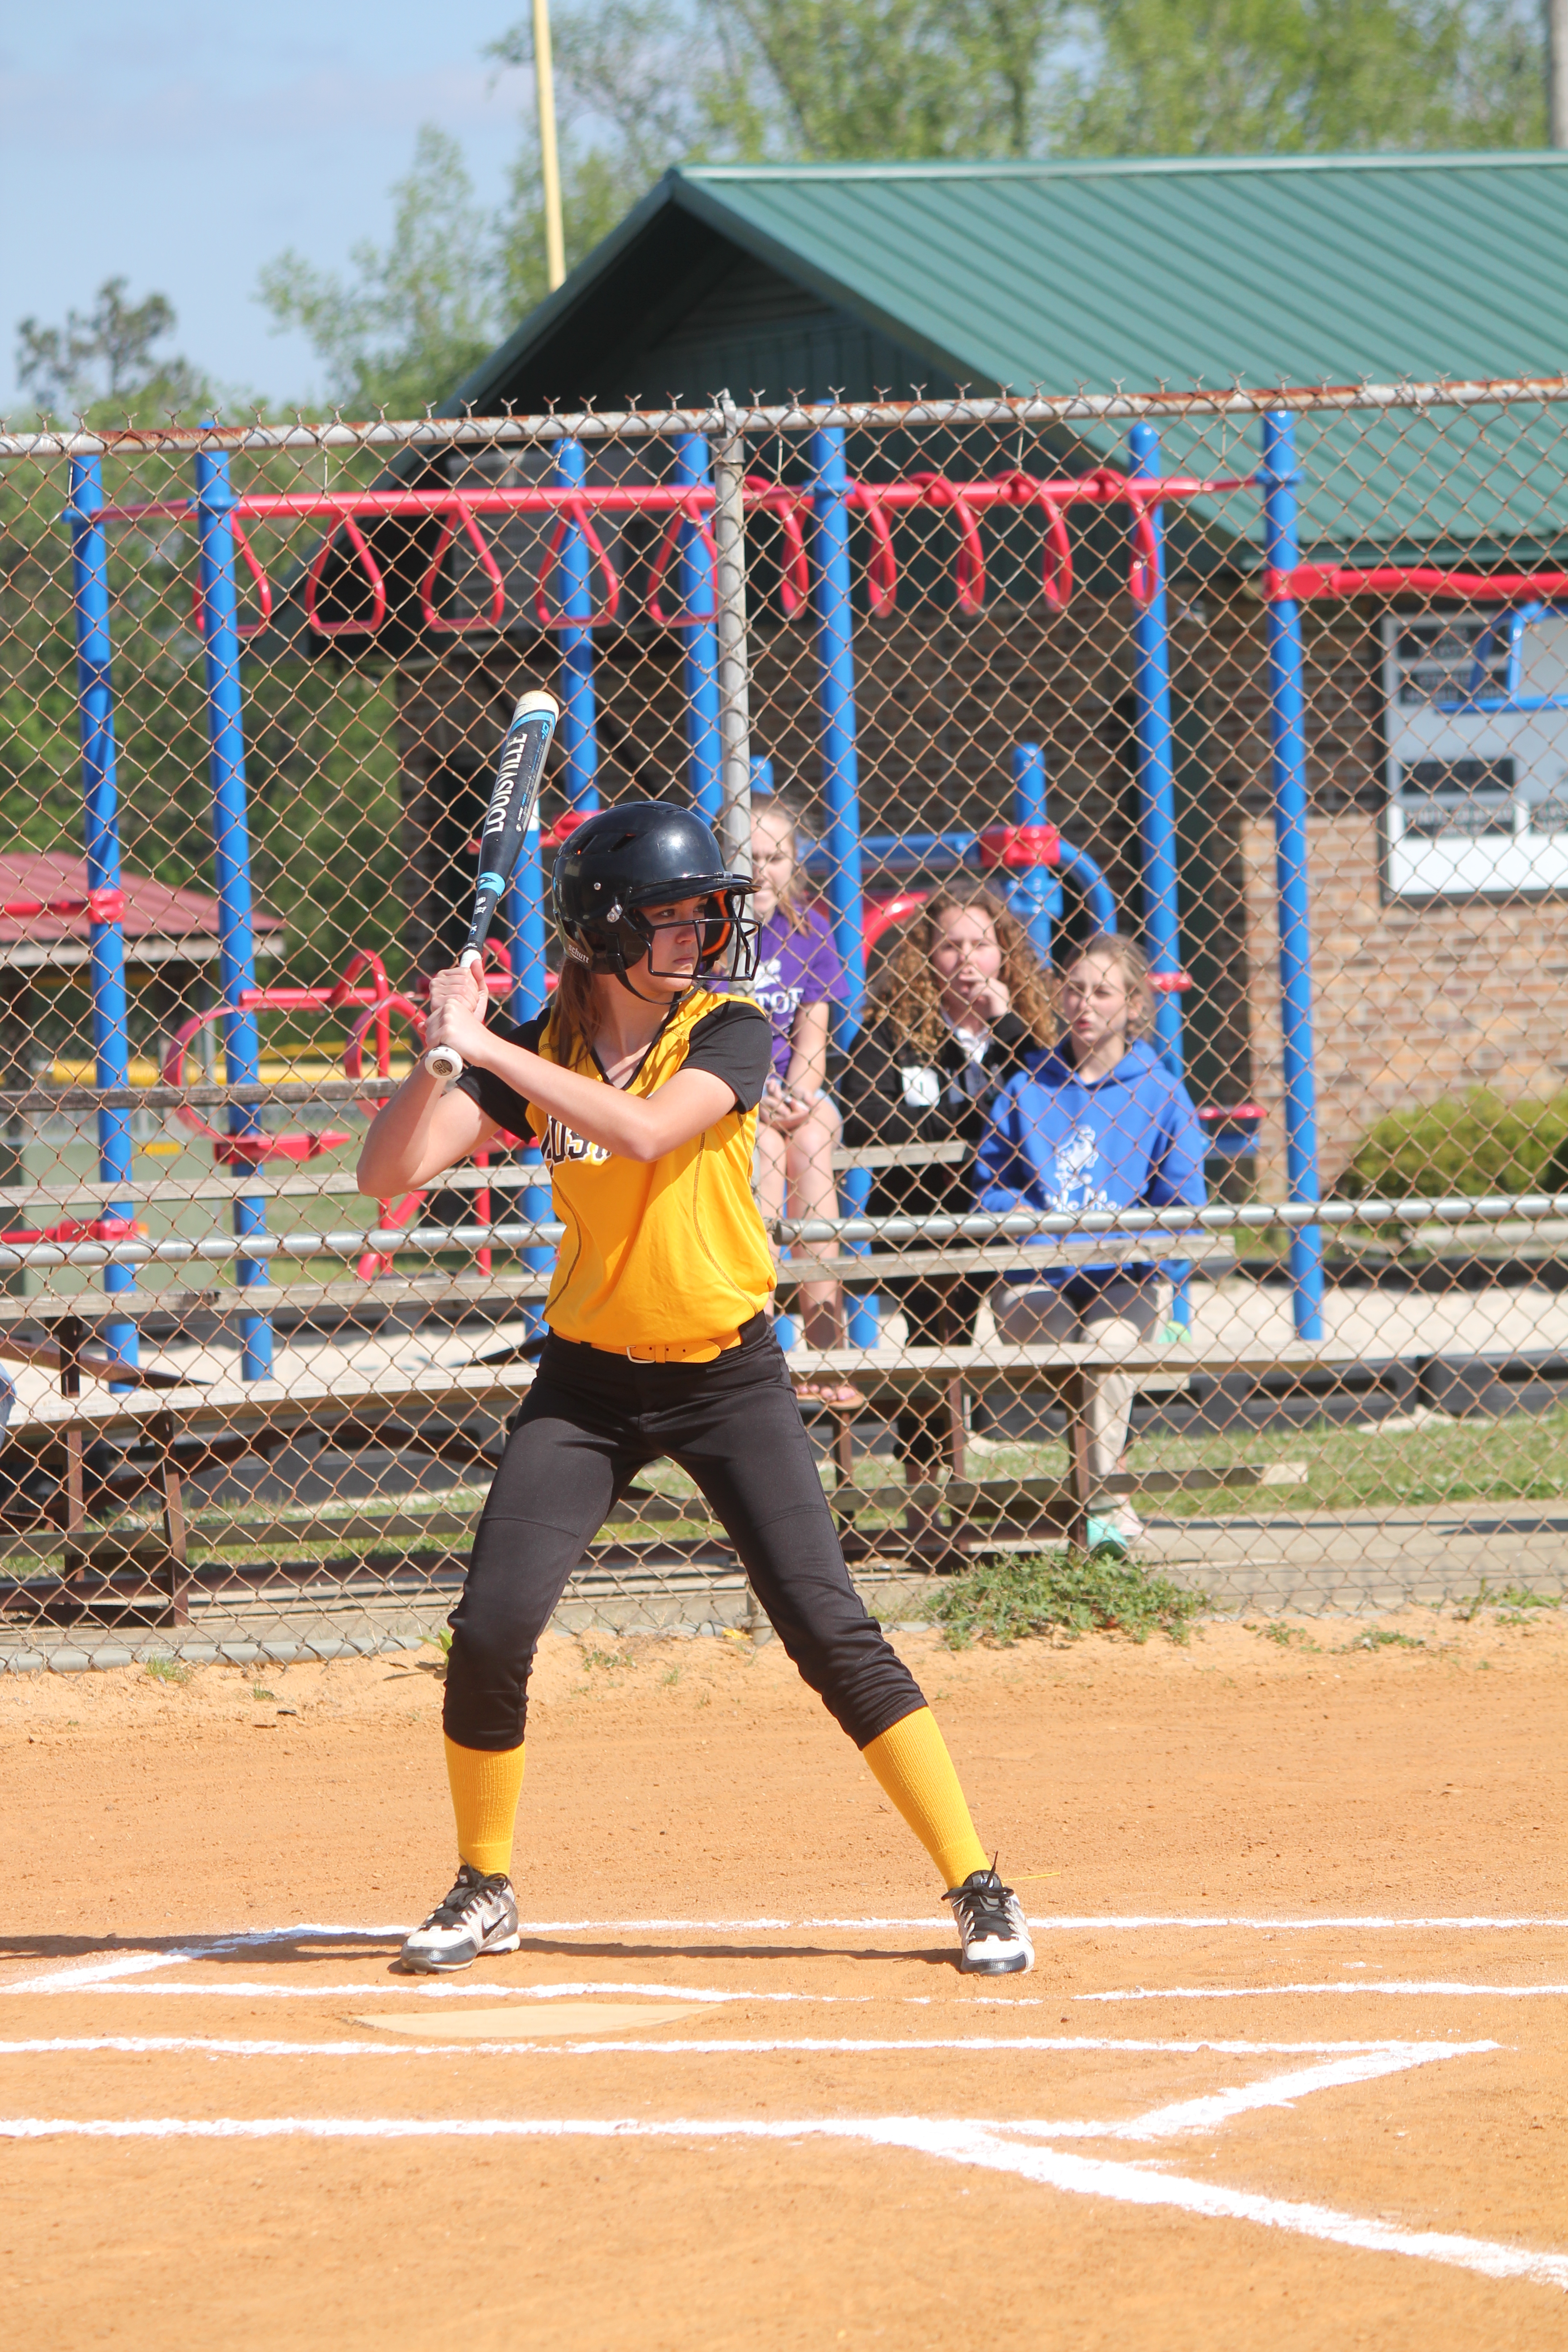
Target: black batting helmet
645, 854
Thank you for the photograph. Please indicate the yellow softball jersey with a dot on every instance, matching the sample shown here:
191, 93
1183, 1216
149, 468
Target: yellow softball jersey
662, 1254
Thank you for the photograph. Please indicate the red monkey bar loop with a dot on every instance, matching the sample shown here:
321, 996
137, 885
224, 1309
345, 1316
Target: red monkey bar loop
577, 512
495, 616
371, 569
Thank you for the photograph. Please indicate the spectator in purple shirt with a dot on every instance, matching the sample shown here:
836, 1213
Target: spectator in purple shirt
799, 979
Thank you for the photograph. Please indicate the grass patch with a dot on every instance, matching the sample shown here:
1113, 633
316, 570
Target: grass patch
168, 1670
1520, 1459
1287, 1637
1062, 1594
1512, 1603
610, 1660
1378, 1637
257, 1692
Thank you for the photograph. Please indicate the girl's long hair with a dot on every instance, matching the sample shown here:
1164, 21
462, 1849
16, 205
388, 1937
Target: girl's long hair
792, 897
908, 989
571, 1020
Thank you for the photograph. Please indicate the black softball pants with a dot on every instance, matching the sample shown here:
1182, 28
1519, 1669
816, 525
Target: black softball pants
589, 1422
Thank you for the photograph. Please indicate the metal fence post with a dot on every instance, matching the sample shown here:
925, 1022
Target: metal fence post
698, 635
100, 827
1157, 804
830, 598
579, 716
735, 674
231, 859
1036, 894
1286, 723
1156, 771
523, 911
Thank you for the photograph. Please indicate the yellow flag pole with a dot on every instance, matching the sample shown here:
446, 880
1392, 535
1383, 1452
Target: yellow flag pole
549, 154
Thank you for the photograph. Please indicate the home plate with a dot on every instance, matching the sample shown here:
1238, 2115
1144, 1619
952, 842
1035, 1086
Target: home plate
559, 2017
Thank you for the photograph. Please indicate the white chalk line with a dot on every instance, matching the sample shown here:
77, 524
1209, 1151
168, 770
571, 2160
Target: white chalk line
405, 1988
1203, 2114
981, 2144
84, 1976
1396, 2054
1058, 1923
1408, 1989
202, 1946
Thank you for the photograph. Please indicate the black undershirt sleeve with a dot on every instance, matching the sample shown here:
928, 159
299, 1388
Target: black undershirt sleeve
494, 1097
734, 1042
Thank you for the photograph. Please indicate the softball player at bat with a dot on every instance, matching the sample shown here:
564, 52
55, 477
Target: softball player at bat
641, 1085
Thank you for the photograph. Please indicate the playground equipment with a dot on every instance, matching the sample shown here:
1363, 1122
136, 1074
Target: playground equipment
577, 594
814, 523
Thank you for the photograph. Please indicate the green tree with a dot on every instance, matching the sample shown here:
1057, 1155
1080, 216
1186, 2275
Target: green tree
819, 80
867, 80
102, 362
596, 191
1309, 77
908, 79
418, 314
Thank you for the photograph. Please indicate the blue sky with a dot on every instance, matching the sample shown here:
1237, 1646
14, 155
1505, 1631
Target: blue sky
183, 148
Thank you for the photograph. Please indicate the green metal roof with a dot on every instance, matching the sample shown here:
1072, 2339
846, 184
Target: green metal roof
1295, 270
1193, 273
1201, 273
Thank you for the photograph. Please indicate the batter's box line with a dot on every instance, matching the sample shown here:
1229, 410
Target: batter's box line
1407, 1987
987, 2146
1059, 2044
1206, 2112
83, 1975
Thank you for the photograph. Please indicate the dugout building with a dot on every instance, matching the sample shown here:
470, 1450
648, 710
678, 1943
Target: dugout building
1436, 897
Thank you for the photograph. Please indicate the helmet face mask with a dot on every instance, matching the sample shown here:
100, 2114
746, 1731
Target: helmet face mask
649, 854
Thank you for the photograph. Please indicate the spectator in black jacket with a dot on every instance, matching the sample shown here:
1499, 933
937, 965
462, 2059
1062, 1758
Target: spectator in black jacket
956, 1008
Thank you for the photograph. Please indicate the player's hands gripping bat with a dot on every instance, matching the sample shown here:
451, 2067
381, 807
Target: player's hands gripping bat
519, 771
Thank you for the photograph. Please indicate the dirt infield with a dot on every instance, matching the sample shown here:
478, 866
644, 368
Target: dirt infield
1291, 2069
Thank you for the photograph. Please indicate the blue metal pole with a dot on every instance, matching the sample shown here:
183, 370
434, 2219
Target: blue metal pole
524, 910
1157, 806
1036, 894
829, 550
700, 639
100, 809
575, 569
231, 859
1156, 771
762, 779
1287, 722
1080, 867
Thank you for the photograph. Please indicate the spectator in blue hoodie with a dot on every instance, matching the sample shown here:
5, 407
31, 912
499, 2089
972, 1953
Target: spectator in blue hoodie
1095, 1121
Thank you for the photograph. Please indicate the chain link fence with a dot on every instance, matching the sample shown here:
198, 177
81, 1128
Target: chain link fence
1243, 1251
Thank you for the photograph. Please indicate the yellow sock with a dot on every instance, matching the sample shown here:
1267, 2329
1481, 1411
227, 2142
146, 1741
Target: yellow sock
914, 1768
486, 1786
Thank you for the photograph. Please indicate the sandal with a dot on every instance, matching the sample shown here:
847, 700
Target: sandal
840, 1394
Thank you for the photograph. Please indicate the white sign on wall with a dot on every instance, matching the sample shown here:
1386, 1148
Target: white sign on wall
1477, 798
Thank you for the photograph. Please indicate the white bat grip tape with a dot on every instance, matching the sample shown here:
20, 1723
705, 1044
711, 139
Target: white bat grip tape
445, 1062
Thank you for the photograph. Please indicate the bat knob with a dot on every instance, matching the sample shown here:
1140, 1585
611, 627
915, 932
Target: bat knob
444, 1061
